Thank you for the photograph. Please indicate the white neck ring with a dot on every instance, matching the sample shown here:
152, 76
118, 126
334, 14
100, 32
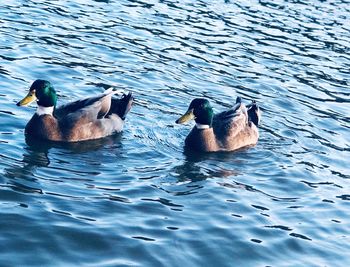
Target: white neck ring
44, 110
202, 126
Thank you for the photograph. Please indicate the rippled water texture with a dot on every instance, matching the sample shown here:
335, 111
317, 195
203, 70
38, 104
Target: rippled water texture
136, 199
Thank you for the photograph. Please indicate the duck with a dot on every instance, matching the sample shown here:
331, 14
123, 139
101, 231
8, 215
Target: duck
85, 119
229, 130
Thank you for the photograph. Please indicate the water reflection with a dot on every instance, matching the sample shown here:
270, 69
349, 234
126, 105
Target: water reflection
200, 166
37, 145
21, 176
31, 160
24, 176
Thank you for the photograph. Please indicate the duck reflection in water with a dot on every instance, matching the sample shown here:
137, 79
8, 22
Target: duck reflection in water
36, 154
199, 166
74, 147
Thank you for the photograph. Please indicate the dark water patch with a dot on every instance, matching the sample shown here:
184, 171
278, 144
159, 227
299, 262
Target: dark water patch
300, 236
165, 202
16, 186
344, 197
173, 228
256, 240
86, 219
144, 238
281, 227
328, 201
119, 199
260, 207
62, 212
336, 221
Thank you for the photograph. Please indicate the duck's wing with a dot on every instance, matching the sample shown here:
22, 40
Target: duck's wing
230, 122
83, 124
97, 106
228, 115
86, 110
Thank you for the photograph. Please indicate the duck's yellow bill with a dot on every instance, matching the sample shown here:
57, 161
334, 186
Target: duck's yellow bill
186, 117
30, 98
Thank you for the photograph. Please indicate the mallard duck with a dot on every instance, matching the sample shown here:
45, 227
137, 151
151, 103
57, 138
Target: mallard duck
89, 118
226, 131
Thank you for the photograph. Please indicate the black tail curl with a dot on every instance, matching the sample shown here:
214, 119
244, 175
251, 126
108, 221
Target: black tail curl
121, 106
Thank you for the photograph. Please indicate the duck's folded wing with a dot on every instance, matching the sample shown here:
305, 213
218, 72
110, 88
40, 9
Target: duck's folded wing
83, 124
228, 115
230, 122
84, 115
101, 103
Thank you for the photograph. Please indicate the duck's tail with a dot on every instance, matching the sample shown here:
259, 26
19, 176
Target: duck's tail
121, 106
254, 113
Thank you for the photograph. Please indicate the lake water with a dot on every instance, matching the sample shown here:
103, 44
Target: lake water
136, 199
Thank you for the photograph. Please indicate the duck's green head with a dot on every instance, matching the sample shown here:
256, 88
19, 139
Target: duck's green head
43, 92
199, 110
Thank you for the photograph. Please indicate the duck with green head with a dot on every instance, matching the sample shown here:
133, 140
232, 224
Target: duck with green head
226, 131
89, 118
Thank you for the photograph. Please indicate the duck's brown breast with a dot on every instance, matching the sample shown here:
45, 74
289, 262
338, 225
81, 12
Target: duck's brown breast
44, 127
202, 140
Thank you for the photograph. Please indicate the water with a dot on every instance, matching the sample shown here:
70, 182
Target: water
136, 199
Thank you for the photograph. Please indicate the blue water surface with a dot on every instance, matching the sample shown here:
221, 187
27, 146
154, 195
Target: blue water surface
137, 199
